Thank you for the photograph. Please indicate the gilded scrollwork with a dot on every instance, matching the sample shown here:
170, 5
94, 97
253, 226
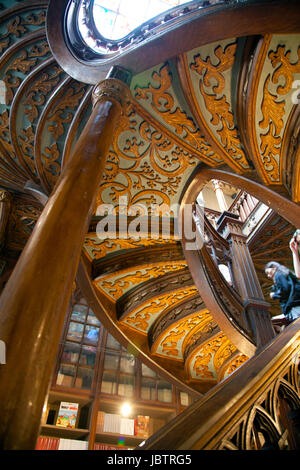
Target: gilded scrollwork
116, 284
98, 248
51, 164
202, 363
36, 95
224, 353
170, 345
60, 113
286, 69
4, 133
63, 111
143, 316
275, 106
144, 164
20, 25
25, 61
163, 103
26, 142
212, 89
235, 364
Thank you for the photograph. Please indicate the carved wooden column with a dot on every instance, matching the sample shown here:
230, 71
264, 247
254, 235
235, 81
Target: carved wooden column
246, 280
219, 195
34, 301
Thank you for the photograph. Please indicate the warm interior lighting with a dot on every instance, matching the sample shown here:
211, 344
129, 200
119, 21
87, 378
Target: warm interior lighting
126, 409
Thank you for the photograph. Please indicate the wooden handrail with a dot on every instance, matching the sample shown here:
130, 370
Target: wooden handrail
231, 406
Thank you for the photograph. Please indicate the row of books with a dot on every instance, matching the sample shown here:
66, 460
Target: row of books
47, 443
72, 444
54, 443
85, 358
115, 423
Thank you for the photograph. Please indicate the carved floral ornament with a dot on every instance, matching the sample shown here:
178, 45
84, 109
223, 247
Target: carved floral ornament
98, 248
163, 104
147, 163
144, 165
274, 96
169, 343
215, 359
116, 284
20, 24
206, 76
142, 317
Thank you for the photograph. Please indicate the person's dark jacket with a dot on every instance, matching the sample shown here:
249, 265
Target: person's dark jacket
287, 290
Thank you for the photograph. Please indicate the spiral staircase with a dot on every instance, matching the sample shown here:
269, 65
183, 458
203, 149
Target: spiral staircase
223, 103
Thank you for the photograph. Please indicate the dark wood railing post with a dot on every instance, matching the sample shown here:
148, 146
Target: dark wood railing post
34, 301
246, 280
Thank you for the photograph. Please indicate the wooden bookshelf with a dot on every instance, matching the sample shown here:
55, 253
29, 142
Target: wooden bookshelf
114, 370
66, 433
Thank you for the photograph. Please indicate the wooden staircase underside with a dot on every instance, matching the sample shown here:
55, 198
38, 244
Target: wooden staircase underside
226, 104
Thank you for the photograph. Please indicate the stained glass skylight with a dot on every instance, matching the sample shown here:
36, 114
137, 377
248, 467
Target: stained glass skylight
114, 19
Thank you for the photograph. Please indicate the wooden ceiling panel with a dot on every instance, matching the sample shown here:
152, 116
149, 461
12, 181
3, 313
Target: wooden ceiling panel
206, 80
271, 98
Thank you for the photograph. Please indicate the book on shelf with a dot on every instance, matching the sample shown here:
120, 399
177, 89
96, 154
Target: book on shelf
47, 443
65, 380
55, 443
127, 426
67, 415
72, 444
100, 421
112, 423
142, 426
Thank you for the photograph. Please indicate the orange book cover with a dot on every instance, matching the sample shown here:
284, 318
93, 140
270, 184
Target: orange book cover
143, 426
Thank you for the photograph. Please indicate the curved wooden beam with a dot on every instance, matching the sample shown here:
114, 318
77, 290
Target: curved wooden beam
221, 301
286, 208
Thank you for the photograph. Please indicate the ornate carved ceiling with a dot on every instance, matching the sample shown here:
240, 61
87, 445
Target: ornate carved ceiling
227, 104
